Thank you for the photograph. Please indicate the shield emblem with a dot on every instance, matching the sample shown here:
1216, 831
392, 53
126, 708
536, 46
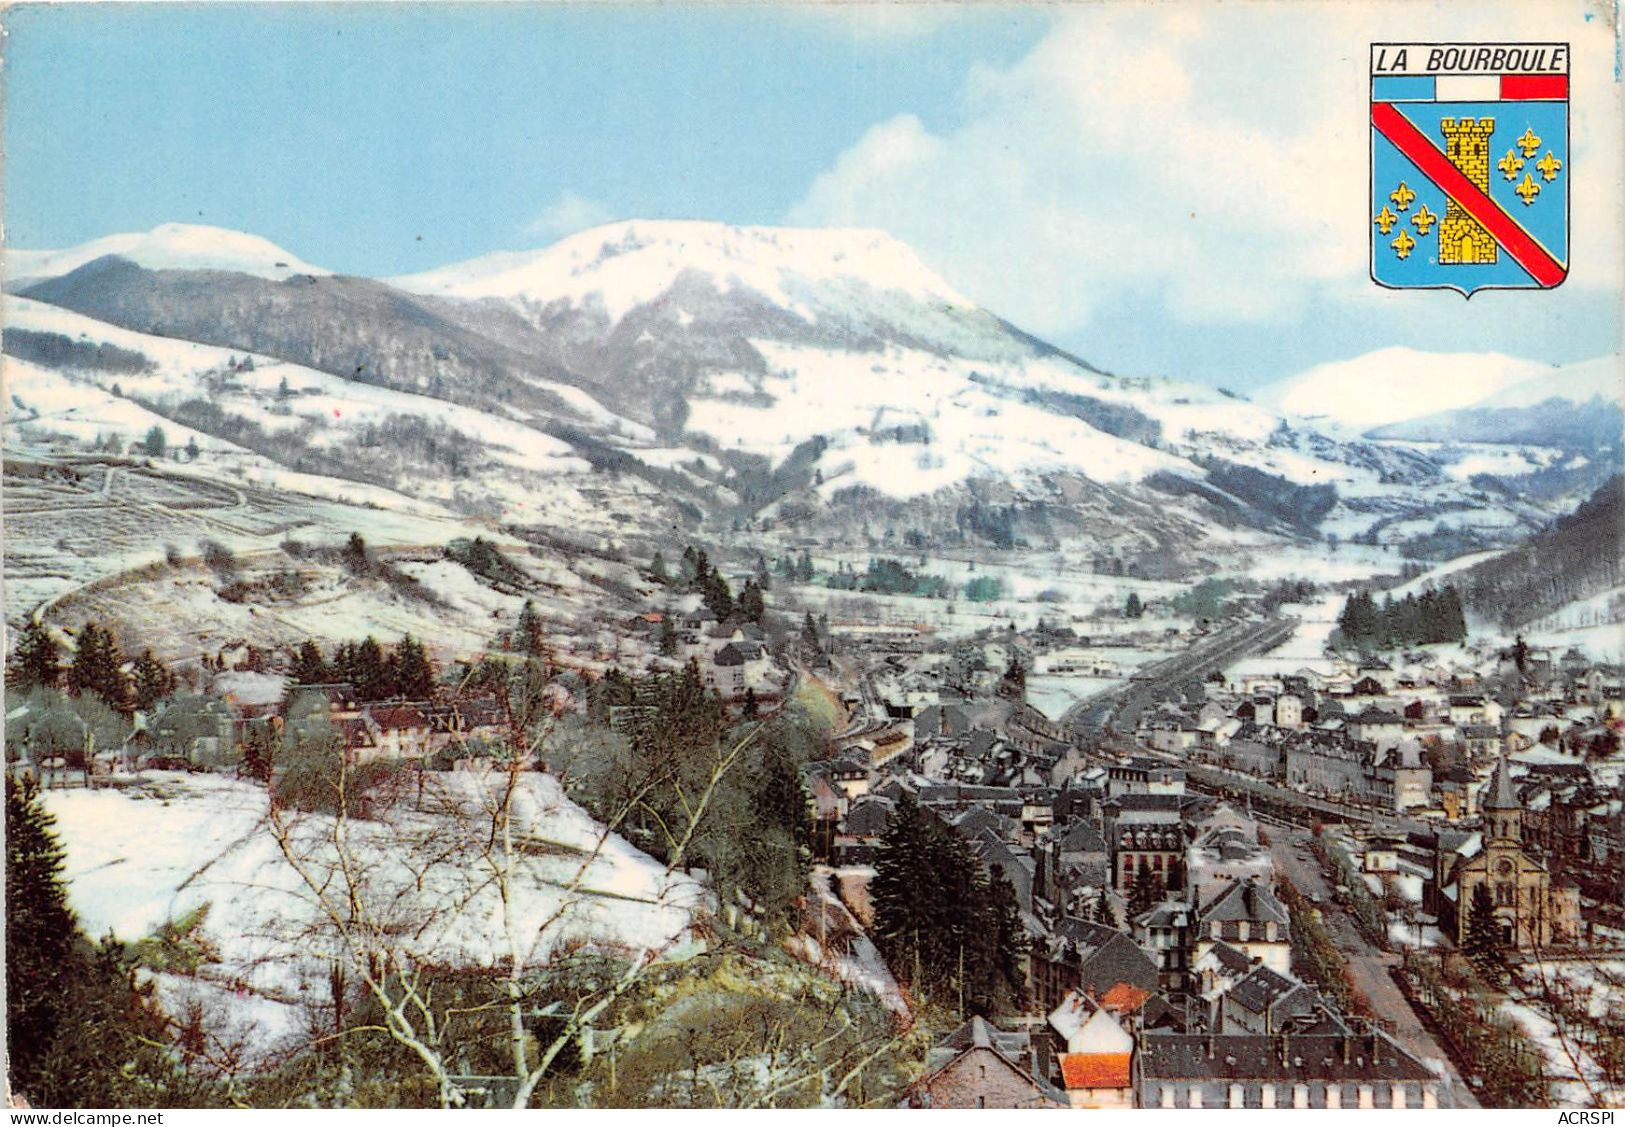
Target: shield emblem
1469, 166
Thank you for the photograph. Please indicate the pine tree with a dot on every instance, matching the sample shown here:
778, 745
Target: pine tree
153, 681
96, 665
80, 1033
1142, 893
411, 671
37, 662
156, 441
259, 753
309, 667
809, 633
657, 569
371, 673
40, 934
343, 667
528, 637
898, 891
355, 557
752, 607
1483, 945
1133, 608
750, 707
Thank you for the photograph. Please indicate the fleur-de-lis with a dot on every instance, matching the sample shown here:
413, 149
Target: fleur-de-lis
1511, 165
1404, 244
1528, 190
1529, 143
1548, 166
1402, 196
1385, 220
1423, 220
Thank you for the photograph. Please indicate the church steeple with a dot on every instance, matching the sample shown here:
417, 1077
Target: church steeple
1502, 810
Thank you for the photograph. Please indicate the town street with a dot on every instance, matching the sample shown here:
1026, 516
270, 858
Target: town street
1368, 965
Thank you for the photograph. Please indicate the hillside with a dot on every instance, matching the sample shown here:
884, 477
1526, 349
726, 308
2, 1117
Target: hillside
796, 383
1577, 558
1576, 408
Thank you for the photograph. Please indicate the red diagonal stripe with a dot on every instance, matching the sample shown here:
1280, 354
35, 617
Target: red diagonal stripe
1436, 167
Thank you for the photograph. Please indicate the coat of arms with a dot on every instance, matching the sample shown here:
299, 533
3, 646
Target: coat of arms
1469, 165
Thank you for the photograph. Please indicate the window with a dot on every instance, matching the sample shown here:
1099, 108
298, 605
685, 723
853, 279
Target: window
1505, 895
1167, 1099
1235, 1095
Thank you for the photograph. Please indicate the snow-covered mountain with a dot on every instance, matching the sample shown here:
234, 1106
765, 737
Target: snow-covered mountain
171, 246
1576, 408
625, 265
824, 381
1394, 384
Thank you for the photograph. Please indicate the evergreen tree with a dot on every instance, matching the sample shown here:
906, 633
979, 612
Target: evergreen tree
898, 892
1133, 608
80, 1033
153, 681
715, 594
750, 707
804, 570
259, 753
528, 637
343, 667
96, 665
371, 673
657, 569
355, 556
41, 947
809, 634
1483, 945
156, 441
752, 607
309, 667
668, 636
37, 662
191, 448
1009, 938
1142, 893
411, 671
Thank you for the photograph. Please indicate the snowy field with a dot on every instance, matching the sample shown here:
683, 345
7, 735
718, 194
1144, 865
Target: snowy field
1053, 695
175, 847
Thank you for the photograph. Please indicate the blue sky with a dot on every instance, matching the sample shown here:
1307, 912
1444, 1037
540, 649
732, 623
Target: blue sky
1141, 184
345, 133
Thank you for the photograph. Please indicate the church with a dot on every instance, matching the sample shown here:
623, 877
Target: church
1531, 908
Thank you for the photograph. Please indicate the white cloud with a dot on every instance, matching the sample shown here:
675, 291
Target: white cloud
567, 215
1209, 160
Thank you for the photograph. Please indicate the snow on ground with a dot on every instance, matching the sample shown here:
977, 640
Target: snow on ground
171, 246
973, 429
1305, 648
1393, 384
624, 265
861, 964
174, 845
251, 688
1053, 695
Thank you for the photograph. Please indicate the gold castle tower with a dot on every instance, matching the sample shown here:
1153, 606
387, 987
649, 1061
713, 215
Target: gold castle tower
1462, 240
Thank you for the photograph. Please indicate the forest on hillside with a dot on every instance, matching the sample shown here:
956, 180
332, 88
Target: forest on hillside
1578, 556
